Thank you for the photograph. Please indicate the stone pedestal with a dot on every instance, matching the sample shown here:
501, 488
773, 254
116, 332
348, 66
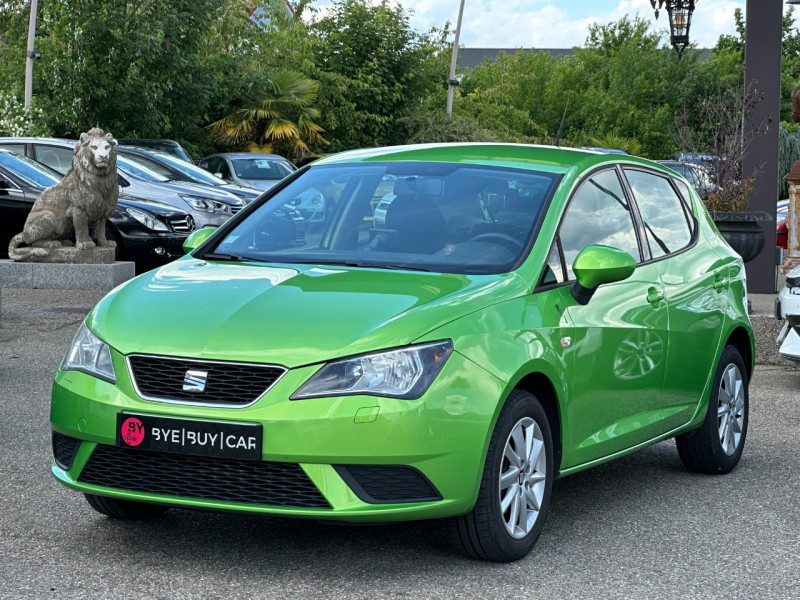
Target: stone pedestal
792, 257
95, 255
61, 276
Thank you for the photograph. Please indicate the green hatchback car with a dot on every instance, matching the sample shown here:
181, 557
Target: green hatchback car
513, 314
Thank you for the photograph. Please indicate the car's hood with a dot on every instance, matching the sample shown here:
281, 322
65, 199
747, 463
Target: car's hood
261, 184
157, 192
243, 191
205, 191
150, 205
285, 315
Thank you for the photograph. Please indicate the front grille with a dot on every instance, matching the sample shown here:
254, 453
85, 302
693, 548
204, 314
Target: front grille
64, 449
226, 383
206, 478
182, 224
385, 484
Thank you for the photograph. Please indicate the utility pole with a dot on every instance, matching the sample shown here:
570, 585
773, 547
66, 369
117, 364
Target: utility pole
453, 82
30, 54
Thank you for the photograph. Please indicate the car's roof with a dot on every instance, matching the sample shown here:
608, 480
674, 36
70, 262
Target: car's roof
31, 140
159, 141
247, 155
549, 158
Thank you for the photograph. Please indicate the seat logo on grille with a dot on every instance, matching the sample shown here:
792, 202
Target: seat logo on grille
195, 381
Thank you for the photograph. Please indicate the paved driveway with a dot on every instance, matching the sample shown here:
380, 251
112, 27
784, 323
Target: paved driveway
640, 527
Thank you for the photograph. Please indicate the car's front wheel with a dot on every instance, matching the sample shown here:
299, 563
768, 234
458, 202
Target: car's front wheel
124, 509
515, 487
717, 445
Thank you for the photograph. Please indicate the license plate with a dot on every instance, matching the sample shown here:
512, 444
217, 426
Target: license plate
185, 436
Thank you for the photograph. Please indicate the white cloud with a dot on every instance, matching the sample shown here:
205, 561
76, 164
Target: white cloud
557, 23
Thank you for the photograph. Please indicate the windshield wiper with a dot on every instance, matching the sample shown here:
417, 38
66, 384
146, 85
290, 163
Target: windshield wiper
222, 256
358, 264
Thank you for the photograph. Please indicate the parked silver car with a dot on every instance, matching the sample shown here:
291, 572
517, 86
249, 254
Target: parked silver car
252, 169
176, 169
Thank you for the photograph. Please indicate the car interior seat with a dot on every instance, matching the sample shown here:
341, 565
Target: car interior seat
419, 224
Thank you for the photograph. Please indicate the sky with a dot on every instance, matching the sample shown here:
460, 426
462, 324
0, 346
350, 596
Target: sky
558, 23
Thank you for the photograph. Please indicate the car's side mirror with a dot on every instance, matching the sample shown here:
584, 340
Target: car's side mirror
197, 238
596, 265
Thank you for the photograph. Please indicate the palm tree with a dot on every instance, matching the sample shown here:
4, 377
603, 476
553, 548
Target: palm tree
276, 116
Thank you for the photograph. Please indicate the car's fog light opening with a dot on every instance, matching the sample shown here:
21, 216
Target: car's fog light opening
388, 484
64, 450
160, 251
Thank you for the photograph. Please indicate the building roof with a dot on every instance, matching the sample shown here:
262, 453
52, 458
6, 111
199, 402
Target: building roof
472, 57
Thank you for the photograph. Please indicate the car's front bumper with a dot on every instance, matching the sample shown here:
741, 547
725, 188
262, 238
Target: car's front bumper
331, 446
787, 308
152, 246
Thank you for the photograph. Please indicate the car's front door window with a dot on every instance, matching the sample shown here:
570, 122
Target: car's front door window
58, 159
598, 214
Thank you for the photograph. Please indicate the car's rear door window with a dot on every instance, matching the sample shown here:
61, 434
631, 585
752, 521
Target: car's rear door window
666, 226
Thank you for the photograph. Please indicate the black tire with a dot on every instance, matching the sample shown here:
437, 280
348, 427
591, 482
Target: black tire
704, 450
483, 533
127, 510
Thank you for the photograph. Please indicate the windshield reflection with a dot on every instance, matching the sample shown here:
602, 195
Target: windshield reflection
441, 217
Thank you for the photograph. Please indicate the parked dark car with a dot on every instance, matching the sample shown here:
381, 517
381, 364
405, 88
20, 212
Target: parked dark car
146, 232
168, 146
252, 169
177, 169
694, 173
208, 206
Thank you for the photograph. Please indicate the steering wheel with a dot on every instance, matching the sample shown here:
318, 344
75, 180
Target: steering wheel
502, 239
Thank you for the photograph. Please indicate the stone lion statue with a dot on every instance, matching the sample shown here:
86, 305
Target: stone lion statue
87, 194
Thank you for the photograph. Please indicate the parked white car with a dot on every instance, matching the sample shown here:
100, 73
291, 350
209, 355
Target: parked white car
788, 309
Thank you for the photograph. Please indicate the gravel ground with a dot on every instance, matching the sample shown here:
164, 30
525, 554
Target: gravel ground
639, 527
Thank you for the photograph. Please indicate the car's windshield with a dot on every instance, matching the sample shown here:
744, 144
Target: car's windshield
261, 168
450, 218
31, 172
193, 172
138, 170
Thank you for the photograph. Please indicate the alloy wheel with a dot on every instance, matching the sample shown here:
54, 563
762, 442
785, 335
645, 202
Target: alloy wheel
523, 475
730, 409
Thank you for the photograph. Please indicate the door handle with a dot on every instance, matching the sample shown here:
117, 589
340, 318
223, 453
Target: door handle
655, 296
719, 282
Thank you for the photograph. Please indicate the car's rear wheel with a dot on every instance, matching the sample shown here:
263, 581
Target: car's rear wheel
514, 494
124, 509
717, 445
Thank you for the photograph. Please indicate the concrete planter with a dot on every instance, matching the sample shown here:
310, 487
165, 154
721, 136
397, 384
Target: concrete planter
742, 230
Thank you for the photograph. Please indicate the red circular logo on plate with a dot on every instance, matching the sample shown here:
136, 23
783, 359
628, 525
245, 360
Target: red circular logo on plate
132, 431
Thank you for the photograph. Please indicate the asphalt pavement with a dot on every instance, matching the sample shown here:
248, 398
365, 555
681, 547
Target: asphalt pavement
639, 527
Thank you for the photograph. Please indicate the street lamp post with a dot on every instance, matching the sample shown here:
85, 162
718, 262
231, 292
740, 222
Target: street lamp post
452, 81
680, 18
30, 54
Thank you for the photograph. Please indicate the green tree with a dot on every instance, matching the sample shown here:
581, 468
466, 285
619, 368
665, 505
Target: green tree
277, 115
373, 69
136, 68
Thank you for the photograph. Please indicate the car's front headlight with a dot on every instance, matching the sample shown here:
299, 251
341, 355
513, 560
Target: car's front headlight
146, 219
206, 204
89, 354
401, 373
